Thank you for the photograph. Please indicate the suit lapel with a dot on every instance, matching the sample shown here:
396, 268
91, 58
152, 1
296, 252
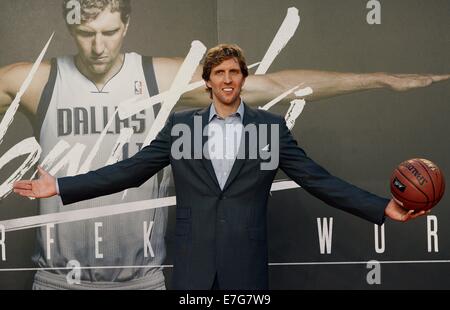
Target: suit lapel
249, 118
206, 162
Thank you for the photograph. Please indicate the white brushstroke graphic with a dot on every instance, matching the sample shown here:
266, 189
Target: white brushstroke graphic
27, 146
182, 79
9, 115
284, 34
294, 112
304, 92
297, 107
85, 214
124, 138
128, 109
91, 213
279, 98
72, 158
50, 159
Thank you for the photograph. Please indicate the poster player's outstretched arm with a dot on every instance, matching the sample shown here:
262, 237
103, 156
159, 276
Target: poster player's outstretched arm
325, 84
261, 89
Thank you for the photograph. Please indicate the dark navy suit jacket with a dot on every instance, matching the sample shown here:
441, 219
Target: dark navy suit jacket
223, 232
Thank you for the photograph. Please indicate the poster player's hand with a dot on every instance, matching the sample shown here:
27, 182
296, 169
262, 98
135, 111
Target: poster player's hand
404, 82
396, 212
44, 187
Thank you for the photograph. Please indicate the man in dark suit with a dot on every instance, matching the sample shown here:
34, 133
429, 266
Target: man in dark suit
222, 190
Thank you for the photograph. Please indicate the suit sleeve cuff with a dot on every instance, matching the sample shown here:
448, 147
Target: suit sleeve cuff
57, 186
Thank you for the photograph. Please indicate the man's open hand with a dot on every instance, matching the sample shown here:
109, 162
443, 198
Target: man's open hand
404, 82
44, 187
396, 212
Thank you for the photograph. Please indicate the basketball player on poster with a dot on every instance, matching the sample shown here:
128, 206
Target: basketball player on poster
73, 98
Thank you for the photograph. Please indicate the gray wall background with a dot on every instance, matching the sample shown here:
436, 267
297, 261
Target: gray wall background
360, 137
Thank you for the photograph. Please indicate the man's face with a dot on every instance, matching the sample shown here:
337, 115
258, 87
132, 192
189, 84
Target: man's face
100, 41
226, 81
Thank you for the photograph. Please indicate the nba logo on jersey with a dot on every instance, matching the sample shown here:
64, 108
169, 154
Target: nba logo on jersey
138, 87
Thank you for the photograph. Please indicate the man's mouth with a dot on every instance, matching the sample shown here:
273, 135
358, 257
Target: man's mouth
99, 61
228, 90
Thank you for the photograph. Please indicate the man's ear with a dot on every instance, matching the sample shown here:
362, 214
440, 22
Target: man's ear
207, 84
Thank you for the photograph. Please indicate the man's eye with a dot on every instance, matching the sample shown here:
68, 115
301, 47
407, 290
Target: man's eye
110, 33
85, 33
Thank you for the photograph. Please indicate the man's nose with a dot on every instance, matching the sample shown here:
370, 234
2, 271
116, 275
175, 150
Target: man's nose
98, 46
227, 78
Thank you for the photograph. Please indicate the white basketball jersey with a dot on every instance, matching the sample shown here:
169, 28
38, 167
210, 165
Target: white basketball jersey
77, 113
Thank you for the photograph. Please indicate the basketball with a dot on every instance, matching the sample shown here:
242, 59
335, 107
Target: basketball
418, 183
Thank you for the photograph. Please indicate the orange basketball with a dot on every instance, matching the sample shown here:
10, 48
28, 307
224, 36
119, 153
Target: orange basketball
418, 183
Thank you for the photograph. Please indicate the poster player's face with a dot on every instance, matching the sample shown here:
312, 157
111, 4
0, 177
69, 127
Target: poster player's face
100, 41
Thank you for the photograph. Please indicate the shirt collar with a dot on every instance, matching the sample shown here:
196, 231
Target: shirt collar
239, 112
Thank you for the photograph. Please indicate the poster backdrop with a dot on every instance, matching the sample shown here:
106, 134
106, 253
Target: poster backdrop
360, 136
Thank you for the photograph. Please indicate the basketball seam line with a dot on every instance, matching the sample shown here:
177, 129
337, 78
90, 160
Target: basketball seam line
442, 189
431, 179
414, 185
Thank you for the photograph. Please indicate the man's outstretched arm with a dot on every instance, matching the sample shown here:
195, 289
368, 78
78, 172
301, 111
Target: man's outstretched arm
335, 191
131, 172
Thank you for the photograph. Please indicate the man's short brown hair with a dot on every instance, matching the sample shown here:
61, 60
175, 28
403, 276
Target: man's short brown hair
216, 55
90, 9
